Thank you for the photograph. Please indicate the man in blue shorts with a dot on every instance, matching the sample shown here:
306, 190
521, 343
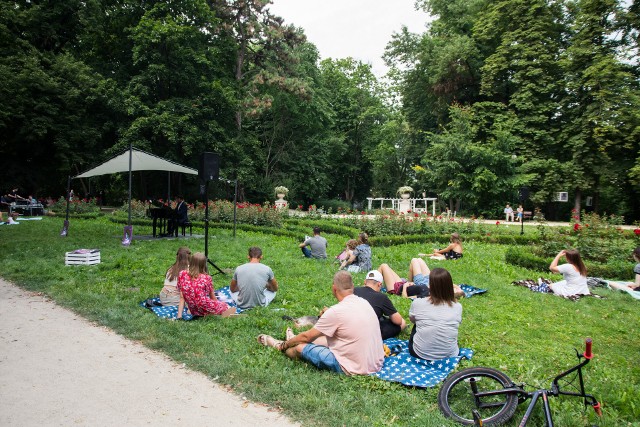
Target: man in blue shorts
346, 339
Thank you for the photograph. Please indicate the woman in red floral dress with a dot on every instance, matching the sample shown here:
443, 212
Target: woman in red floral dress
196, 289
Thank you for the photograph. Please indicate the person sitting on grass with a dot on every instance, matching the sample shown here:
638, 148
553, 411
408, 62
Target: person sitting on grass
317, 243
253, 283
574, 274
170, 295
630, 286
346, 339
436, 320
196, 290
360, 259
453, 251
391, 322
348, 250
417, 283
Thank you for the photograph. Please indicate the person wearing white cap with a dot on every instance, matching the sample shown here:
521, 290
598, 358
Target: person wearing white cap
391, 322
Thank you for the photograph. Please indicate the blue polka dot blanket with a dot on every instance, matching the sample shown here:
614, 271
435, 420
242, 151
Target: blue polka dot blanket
470, 291
171, 311
402, 367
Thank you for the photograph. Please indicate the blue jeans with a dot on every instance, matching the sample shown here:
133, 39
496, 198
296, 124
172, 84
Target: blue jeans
321, 357
306, 252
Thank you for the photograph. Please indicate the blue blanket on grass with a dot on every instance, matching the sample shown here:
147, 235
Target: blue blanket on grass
171, 311
402, 367
470, 291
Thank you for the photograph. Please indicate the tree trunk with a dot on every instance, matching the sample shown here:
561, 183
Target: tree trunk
577, 203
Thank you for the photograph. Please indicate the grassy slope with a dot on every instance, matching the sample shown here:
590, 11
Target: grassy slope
529, 336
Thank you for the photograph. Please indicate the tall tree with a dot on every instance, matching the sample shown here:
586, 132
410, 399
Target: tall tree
359, 112
600, 111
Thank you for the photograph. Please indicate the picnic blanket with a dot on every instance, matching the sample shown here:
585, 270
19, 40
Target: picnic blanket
634, 294
402, 367
470, 291
171, 311
542, 286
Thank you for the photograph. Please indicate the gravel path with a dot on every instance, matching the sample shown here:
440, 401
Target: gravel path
58, 369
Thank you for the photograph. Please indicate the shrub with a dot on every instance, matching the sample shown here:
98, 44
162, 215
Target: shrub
76, 206
219, 211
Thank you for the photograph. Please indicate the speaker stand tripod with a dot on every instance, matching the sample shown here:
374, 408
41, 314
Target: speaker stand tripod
204, 187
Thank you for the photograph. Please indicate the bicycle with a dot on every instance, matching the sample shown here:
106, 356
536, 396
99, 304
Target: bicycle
482, 396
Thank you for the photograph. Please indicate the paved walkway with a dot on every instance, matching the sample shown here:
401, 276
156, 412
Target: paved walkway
57, 369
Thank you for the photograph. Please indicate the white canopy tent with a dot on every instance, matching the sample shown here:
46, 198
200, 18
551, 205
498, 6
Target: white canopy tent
129, 161
140, 161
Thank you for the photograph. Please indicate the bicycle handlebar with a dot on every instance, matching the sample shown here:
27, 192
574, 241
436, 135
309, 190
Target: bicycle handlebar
588, 354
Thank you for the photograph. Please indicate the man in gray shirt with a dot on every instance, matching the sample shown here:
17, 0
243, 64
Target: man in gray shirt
253, 283
317, 243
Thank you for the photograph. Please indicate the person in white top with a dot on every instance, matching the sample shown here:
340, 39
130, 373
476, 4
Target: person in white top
574, 274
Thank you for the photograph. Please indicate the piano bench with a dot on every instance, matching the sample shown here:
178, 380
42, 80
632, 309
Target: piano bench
184, 227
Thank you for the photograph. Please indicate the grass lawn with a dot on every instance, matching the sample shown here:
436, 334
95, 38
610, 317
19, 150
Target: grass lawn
529, 336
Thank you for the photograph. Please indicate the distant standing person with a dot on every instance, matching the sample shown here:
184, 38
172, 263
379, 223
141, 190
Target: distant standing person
360, 259
391, 322
253, 283
508, 213
574, 274
453, 251
317, 243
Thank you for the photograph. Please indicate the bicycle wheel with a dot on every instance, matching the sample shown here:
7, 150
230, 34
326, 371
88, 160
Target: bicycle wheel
457, 401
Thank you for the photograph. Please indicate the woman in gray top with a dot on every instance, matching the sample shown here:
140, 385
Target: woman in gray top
436, 319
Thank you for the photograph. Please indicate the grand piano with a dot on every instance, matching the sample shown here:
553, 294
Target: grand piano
161, 217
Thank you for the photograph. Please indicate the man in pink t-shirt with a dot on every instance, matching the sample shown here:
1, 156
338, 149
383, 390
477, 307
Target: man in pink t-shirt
346, 338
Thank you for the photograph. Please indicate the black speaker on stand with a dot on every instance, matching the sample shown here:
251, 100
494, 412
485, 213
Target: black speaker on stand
208, 171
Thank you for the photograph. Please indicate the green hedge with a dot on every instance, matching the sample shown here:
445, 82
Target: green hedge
327, 226
502, 239
226, 225
88, 215
523, 257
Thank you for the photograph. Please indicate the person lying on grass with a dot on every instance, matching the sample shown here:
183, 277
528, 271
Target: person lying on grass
253, 283
453, 251
346, 339
170, 295
574, 274
633, 286
196, 290
417, 283
436, 320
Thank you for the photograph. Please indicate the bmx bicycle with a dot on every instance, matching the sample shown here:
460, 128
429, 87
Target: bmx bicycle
482, 396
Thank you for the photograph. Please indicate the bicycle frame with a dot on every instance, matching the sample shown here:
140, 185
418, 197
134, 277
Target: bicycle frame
542, 393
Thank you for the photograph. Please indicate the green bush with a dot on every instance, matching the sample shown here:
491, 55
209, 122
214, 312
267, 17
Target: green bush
76, 206
219, 211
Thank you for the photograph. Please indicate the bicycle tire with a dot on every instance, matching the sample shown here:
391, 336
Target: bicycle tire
456, 400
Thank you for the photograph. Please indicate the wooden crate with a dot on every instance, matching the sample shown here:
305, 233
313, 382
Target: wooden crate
88, 258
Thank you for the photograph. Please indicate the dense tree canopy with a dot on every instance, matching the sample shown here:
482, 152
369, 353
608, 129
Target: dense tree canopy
493, 96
